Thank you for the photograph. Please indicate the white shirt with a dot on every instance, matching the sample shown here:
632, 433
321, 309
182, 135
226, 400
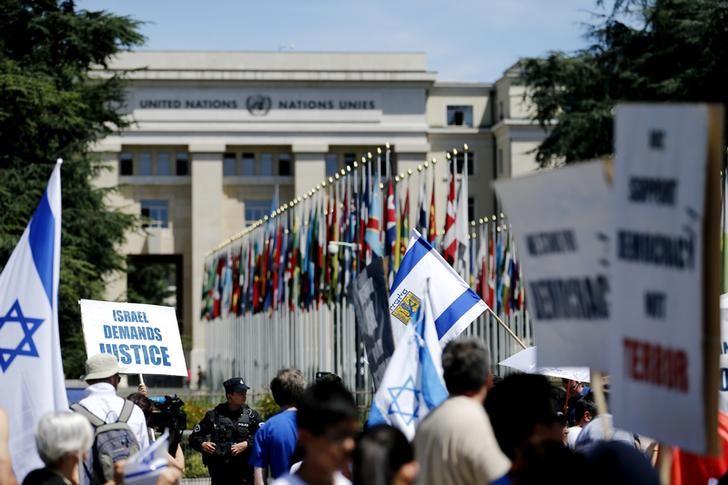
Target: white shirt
572, 435
455, 445
101, 400
294, 479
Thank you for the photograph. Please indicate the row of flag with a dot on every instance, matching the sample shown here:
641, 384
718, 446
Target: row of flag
309, 254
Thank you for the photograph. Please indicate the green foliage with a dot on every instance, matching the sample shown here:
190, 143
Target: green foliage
52, 107
148, 282
194, 468
195, 408
644, 50
266, 405
197, 405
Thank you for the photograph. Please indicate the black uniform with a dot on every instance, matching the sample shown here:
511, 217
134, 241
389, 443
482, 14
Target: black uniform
225, 428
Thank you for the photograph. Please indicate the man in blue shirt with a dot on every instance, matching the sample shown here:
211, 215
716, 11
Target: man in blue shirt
276, 439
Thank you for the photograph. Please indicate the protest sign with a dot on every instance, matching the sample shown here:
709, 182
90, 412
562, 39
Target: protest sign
144, 338
665, 270
561, 224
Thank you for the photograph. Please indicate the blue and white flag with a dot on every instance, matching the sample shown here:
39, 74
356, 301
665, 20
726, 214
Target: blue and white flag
31, 374
145, 467
412, 384
454, 304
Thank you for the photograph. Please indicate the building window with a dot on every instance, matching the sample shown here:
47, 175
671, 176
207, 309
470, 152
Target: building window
332, 164
460, 116
382, 166
471, 208
392, 164
183, 164
164, 166
255, 210
126, 164
460, 160
284, 165
265, 167
229, 165
248, 164
144, 164
156, 213
501, 115
500, 161
349, 159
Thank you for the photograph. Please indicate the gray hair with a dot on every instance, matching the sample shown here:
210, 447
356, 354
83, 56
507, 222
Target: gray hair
287, 387
59, 433
465, 365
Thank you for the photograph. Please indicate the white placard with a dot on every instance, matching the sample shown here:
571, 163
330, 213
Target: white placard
659, 210
144, 338
561, 222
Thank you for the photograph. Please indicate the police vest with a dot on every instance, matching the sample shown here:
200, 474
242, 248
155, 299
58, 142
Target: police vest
229, 430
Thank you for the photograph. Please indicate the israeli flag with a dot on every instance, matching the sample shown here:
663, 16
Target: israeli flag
412, 384
31, 374
145, 467
454, 304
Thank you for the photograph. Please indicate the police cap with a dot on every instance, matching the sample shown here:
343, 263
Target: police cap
235, 384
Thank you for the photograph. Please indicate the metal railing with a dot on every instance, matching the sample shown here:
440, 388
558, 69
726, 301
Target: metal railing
256, 346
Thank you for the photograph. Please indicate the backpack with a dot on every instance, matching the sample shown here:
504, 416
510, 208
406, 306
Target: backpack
112, 442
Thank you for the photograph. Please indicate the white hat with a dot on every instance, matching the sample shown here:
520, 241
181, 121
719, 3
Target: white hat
101, 366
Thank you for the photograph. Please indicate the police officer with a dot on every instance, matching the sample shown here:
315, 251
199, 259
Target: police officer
225, 436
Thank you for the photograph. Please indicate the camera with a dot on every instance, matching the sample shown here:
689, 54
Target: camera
167, 414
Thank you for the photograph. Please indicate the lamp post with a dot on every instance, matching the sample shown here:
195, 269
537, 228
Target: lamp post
334, 246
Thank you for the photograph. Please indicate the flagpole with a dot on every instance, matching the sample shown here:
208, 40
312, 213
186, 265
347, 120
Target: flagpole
387, 161
382, 198
503, 324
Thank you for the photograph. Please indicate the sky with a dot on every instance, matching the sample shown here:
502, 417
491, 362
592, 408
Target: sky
464, 40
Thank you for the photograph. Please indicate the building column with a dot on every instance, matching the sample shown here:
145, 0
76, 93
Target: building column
115, 282
310, 167
207, 232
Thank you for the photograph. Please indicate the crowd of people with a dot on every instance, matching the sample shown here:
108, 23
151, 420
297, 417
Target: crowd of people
522, 429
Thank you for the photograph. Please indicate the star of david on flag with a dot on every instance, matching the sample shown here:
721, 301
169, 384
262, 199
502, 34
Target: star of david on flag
409, 386
25, 346
412, 384
31, 373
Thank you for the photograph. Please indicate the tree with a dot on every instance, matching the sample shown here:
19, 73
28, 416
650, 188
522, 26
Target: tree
149, 282
643, 50
53, 107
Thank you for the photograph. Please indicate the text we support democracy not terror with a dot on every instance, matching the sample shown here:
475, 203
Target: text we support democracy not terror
651, 362
136, 353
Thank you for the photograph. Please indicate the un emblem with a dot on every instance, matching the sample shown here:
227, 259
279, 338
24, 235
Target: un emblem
408, 306
258, 105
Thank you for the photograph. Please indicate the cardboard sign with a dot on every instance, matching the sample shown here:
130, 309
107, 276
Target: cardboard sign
665, 272
561, 221
144, 338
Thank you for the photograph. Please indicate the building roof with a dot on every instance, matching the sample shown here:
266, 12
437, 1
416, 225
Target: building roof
273, 61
